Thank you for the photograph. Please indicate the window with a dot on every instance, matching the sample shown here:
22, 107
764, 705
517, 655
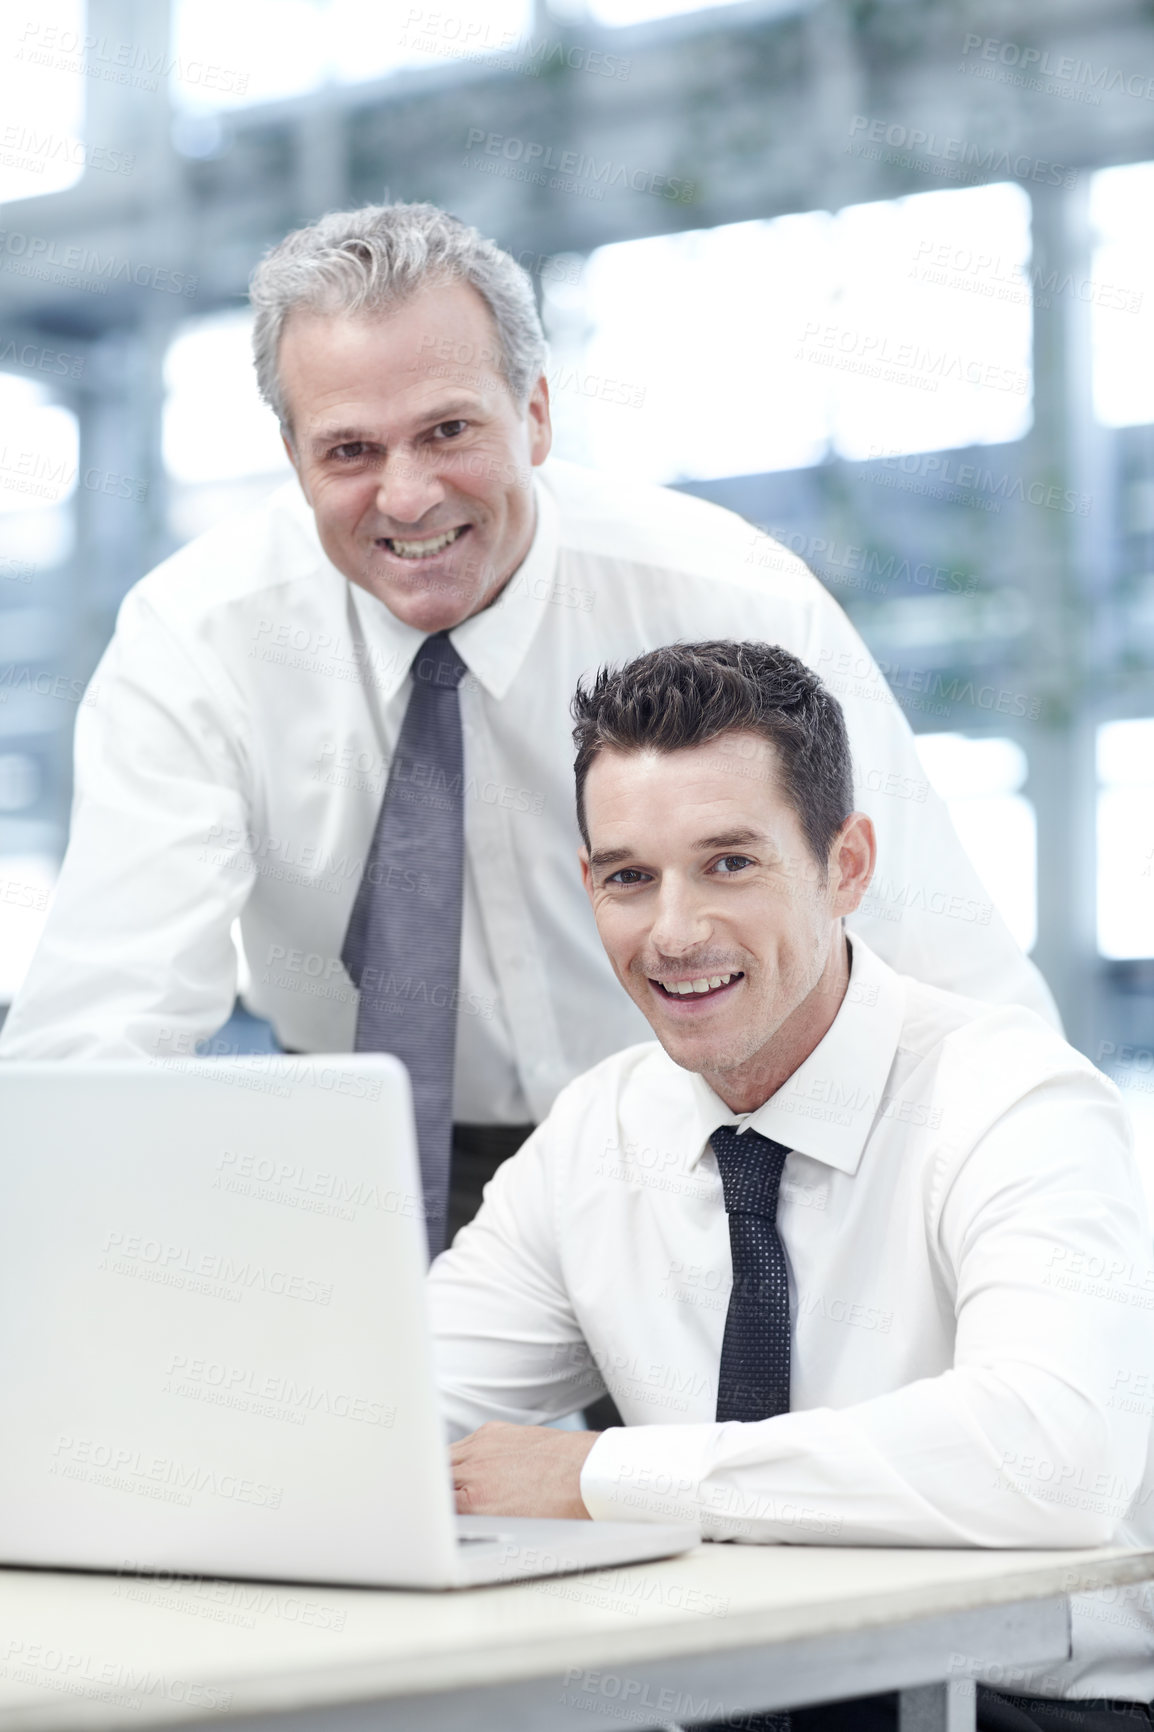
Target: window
888, 328
38, 440
932, 323
42, 78
620, 12
979, 779
678, 361
40, 453
222, 445
228, 56
1126, 838
1121, 302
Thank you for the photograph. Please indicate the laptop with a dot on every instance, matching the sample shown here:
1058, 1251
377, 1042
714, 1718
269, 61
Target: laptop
214, 1351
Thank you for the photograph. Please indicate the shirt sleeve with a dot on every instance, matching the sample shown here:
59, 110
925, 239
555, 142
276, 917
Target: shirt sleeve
507, 1344
927, 913
136, 956
1043, 1249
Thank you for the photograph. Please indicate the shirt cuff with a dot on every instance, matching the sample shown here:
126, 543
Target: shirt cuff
648, 1473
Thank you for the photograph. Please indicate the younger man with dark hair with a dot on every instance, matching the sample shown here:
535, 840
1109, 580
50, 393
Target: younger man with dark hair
828, 1242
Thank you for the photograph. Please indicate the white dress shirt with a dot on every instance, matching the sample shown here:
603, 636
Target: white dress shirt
970, 1289
232, 755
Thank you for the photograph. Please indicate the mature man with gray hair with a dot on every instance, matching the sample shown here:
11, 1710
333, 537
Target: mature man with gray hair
341, 719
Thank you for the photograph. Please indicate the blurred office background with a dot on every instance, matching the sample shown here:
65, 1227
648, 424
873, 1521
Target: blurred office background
877, 274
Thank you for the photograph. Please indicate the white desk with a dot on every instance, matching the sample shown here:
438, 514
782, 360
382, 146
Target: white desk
726, 1628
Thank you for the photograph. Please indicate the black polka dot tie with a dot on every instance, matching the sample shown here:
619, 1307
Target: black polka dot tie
754, 1379
753, 1382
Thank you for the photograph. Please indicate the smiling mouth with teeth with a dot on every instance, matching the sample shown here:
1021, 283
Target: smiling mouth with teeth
700, 988
422, 549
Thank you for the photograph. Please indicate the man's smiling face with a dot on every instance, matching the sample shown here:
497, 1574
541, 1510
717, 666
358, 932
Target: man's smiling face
718, 921
414, 456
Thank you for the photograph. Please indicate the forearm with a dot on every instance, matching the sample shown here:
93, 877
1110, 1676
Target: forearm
136, 956
965, 1459
506, 1343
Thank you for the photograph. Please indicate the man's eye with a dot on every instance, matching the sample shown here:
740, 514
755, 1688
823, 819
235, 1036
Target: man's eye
627, 875
451, 429
733, 863
349, 453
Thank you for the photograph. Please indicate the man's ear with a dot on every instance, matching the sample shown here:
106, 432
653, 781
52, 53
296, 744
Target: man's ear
292, 457
586, 870
540, 422
853, 857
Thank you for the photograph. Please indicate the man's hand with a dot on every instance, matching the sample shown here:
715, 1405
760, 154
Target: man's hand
521, 1470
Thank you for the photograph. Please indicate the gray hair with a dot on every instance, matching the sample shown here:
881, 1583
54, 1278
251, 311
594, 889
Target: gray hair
362, 260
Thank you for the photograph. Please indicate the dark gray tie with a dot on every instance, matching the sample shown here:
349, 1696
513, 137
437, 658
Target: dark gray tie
753, 1381
403, 945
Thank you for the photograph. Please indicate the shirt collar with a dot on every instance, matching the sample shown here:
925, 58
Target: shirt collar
828, 1106
494, 642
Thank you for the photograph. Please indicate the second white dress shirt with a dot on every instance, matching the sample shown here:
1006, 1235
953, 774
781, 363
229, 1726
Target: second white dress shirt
970, 1284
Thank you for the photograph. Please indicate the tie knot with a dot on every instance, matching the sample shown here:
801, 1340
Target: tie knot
751, 1167
437, 663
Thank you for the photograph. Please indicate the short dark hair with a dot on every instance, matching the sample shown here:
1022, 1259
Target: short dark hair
686, 694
